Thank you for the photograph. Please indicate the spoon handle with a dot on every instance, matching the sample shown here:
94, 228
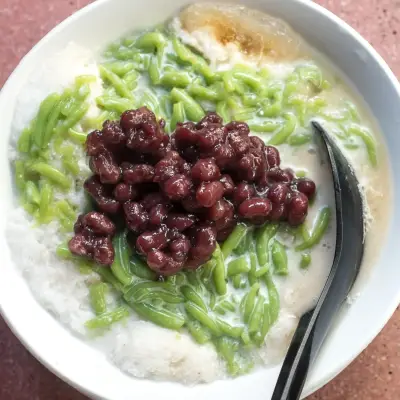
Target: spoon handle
294, 370
314, 325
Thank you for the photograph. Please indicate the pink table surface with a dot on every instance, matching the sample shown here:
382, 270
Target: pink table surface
374, 374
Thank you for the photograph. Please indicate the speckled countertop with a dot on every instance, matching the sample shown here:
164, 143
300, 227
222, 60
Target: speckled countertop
374, 374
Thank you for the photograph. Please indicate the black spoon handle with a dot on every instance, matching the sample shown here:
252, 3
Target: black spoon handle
314, 325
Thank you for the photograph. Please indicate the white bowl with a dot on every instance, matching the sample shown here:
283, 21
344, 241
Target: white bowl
87, 369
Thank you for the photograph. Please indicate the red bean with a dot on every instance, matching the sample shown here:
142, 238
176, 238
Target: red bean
104, 165
211, 118
155, 240
279, 175
240, 144
218, 210
161, 263
94, 143
238, 127
278, 192
229, 186
152, 199
156, 260
99, 223
209, 137
134, 119
297, 208
255, 207
180, 222
249, 166
124, 192
223, 234
78, 245
185, 135
78, 226
179, 249
99, 194
113, 134
243, 192
224, 155
277, 212
177, 187
103, 251
136, 216
190, 204
306, 186
168, 167
138, 173
158, 214
204, 242
257, 142
209, 193
205, 170
227, 220
273, 157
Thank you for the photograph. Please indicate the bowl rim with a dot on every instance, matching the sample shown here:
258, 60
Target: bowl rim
318, 10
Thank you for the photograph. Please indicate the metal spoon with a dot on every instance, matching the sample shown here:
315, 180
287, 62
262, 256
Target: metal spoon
350, 237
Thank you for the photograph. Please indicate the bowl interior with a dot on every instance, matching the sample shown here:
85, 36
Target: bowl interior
87, 369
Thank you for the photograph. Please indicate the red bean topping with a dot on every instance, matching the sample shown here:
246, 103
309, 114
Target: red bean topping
168, 167
208, 138
174, 190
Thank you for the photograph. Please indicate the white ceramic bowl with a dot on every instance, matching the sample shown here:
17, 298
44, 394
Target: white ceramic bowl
87, 369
